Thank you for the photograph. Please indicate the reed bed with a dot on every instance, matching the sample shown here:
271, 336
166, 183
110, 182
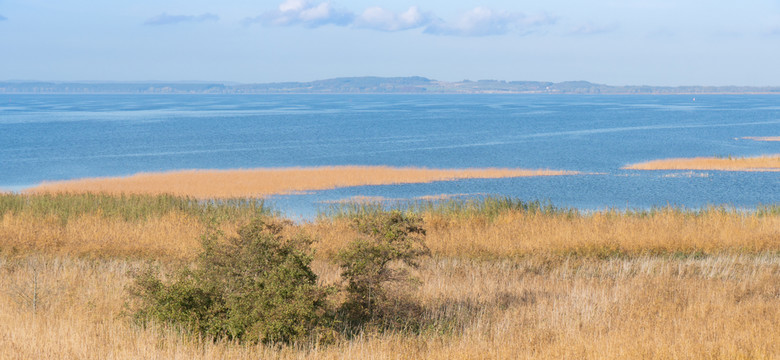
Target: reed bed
605, 234
129, 207
716, 307
762, 138
152, 227
506, 279
759, 163
503, 227
208, 184
100, 225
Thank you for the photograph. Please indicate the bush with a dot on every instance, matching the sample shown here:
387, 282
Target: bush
370, 265
257, 287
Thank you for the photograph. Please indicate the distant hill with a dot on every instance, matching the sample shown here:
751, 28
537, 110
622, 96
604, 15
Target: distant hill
367, 85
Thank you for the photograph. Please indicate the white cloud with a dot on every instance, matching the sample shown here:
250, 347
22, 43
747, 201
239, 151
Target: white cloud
479, 21
303, 12
166, 19
377, 18
482, 21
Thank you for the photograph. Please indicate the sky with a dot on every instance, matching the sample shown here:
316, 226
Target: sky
615, 42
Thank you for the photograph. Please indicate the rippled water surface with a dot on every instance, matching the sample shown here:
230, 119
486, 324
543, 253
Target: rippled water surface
53, 137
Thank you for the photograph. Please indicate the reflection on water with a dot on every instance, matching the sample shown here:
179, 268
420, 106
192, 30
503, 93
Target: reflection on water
54, 137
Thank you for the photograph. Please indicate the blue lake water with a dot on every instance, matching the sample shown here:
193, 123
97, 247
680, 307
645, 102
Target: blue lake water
54, 137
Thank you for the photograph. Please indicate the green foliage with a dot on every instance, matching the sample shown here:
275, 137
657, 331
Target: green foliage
488, 207
259, 286
256, 287
129, 207
370, 265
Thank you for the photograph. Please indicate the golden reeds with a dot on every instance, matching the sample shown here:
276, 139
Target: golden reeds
506, 280
173, 235
597, 234
760, 163
262, 182
720, 307
762, 138
483, 232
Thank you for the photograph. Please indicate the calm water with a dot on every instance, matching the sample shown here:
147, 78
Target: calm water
52, 137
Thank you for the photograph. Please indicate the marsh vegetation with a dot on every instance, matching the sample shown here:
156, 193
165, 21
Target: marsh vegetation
491, 278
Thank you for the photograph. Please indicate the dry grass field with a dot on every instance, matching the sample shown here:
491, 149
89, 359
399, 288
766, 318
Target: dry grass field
760, 163
722, 306
505, 280
207, 184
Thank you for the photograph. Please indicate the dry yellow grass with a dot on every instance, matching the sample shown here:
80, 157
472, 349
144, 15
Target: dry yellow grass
604, 233
720, 307
762, 138
600, 234
173, 235
515, 284
510, 234
760, 163
262, 182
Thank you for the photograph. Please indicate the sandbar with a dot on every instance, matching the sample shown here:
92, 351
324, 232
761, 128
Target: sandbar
262, 182
762, 138
759, 163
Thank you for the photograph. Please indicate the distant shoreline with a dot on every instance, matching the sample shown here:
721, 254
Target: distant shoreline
374, 85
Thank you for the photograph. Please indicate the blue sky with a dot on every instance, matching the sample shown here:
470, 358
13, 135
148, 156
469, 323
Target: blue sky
617, 42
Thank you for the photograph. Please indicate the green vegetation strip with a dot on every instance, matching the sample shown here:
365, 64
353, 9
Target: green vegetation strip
490, 207
129, 207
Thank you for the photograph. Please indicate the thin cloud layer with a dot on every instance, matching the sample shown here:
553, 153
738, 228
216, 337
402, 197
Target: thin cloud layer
377, 18
479, 21
593, 29
167, 19
306, 13
482, 21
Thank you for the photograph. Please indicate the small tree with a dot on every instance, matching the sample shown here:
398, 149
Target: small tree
367, 265
257, 286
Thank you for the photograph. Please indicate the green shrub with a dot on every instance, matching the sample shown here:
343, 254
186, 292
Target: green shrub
256, 287
259, 286
370, 265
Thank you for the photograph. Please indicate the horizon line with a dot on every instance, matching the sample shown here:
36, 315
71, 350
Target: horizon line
239, 83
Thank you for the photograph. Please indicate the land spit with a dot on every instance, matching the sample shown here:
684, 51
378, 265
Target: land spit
762, 138
759, 163
274, 181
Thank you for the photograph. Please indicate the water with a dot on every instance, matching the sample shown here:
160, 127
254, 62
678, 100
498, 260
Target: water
55, 137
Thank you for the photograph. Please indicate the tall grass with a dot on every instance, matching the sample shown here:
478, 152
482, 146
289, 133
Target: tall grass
720, 307
116, 225
169, 227
486, 206
507, 279
500, 228
128, 207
